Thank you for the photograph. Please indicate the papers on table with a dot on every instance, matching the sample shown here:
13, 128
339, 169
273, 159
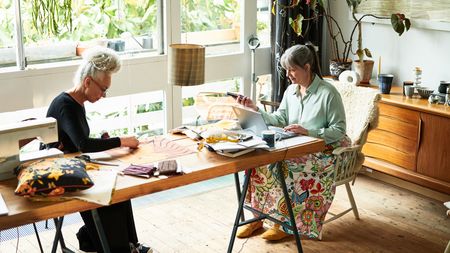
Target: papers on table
102, 155
294, 141
233, 149
101, 192
256, 142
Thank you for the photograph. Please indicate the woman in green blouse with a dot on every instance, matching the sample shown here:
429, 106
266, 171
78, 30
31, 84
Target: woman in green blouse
313, 107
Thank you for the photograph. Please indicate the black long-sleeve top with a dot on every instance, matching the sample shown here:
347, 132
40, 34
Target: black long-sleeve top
73, 129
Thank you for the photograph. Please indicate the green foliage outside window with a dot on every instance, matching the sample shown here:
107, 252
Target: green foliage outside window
6, 23
204, 15
88, 20
188, 101
107, 18
150, 107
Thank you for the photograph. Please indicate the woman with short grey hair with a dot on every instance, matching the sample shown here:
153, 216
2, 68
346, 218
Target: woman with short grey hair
91, 83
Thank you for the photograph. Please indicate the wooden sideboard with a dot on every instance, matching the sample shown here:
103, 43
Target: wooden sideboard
411, 141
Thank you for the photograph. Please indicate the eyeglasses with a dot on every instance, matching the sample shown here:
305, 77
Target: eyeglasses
103, 90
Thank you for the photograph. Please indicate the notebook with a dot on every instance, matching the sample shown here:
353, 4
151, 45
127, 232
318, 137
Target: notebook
253, 122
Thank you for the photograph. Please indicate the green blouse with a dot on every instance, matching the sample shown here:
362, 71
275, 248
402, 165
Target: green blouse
320, 111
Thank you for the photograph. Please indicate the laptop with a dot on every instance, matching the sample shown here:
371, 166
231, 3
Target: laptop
252, 122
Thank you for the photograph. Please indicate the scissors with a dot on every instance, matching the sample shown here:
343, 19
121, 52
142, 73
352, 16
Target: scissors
89, 160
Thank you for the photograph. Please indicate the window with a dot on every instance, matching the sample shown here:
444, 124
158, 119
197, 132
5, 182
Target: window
72, 26
213, 23
264, 88
7, 51
140, 114
263, 16
198, 100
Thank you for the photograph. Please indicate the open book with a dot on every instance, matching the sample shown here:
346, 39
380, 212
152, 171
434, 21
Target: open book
235, 153
234, 149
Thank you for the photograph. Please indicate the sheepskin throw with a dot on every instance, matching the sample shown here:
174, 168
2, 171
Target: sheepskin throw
361, 110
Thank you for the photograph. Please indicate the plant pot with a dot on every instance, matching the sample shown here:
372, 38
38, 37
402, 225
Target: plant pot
337, 67
364, 69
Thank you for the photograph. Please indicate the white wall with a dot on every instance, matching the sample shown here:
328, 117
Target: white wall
425, 48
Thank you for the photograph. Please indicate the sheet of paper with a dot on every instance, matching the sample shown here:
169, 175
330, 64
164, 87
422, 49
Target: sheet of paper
156, 149
99, 155
101, 192
253, 142
293, 141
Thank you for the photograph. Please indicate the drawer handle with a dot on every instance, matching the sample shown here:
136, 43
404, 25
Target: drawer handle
419, 137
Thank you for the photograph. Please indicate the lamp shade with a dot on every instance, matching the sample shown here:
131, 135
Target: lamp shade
186, 64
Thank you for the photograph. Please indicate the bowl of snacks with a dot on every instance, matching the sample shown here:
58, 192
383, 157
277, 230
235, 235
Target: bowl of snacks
424, 92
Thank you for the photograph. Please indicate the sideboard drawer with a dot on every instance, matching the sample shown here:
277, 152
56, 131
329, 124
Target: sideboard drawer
396, 137
408, 116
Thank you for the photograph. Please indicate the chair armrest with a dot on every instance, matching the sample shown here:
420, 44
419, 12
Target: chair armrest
340, 150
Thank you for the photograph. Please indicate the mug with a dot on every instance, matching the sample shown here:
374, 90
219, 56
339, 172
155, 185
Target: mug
409, 91
385, 82
269, 137
406, 83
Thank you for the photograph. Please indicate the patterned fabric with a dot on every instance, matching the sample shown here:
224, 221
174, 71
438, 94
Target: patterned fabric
311, 187
52, 177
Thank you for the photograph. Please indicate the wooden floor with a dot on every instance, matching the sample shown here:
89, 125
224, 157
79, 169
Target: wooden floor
392, 220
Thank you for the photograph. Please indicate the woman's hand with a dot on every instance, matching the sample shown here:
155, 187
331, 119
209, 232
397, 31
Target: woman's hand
295, 128
247, 102
129, 141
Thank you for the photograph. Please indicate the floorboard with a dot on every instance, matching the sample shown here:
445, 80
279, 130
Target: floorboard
200, 219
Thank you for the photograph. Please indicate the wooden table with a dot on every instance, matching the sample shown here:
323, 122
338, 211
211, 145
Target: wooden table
204, 165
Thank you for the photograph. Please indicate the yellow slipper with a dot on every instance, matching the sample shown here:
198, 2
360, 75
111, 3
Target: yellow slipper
274, 234
248, 229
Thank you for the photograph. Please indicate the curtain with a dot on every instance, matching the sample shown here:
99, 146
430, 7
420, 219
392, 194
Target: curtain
284, 36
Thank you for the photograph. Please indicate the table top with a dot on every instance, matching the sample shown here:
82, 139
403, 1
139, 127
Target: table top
203, 164
416, 102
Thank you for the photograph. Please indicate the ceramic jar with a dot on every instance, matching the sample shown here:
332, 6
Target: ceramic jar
337, 67
443, 86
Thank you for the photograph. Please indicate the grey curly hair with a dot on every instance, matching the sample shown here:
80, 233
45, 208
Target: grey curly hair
95, 60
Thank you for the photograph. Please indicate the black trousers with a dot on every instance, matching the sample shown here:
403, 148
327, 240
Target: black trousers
118, 224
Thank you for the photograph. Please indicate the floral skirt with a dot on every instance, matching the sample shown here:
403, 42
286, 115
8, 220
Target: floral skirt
310, 184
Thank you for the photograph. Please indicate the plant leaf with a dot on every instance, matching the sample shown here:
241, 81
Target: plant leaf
367, 52
273, 7
360, 54
407, 23
397, 24
321, 3
353, 3
296, 24
313, 4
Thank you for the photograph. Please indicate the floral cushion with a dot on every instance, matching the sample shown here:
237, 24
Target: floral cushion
52, 177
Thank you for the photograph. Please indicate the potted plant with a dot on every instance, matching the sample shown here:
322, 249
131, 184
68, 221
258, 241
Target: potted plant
341, 60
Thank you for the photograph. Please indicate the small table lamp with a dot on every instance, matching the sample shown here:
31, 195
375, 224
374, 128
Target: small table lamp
186, 64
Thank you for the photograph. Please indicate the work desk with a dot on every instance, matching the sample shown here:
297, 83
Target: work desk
204, 165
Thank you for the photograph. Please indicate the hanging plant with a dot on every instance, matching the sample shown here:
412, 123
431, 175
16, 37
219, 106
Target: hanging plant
49, 15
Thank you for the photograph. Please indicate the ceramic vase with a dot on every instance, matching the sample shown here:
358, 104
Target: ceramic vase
364, 69
337, 67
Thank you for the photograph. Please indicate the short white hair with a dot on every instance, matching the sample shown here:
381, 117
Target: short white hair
95, 60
